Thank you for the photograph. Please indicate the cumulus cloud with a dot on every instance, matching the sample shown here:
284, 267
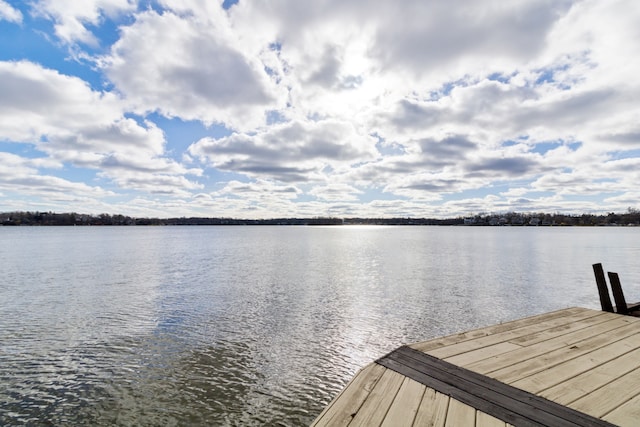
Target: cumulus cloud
419, 107
63, 117
459, 36
189, 67
292, 152
21, 175
259, 189
9, 13
74, 18
38, 101
336, 192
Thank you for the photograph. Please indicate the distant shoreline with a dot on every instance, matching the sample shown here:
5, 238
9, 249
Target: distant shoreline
630, 218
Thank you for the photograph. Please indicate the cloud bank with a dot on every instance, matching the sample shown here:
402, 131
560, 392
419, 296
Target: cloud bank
278, 108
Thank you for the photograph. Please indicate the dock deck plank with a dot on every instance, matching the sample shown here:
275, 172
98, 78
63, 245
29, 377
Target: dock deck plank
626, 414
377, 405
405, 406
433, 409
589, 361
532, 352
585, 360
555, 326
486, 420
460, 414
559, 355
606, 399
347, 403
564, 315
580, 385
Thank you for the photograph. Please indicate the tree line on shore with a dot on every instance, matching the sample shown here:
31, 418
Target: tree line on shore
631, 217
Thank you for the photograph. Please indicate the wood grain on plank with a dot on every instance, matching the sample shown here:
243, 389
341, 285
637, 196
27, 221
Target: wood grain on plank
433, 409
375, 408
405, 406
587, 382
504, 360
341, 410
496, 329
573, 349
460, 414
572, 368
523, 335
611, 396
486, 420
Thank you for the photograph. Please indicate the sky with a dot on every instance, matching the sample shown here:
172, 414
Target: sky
287, 108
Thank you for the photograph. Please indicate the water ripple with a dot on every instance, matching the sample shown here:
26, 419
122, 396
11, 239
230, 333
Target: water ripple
254, 326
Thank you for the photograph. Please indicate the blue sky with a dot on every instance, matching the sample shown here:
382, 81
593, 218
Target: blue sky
282, 108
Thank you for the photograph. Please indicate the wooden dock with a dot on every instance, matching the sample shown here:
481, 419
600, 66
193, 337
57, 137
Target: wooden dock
573, 367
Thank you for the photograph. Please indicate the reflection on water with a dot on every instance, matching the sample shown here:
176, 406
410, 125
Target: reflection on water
257, 325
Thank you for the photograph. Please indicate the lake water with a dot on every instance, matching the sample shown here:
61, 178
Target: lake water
259, 325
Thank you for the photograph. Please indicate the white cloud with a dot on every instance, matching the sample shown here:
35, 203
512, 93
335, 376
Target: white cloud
336, 192
259, 189
21, 175
441, 39
441, 107
622, 202
63, 117
155, 183
9, 13
256, 199
292, 152
37, 101
383, 50
73, 17
189, 67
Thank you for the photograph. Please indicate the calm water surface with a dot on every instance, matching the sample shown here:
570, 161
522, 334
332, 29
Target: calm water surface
258, 325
